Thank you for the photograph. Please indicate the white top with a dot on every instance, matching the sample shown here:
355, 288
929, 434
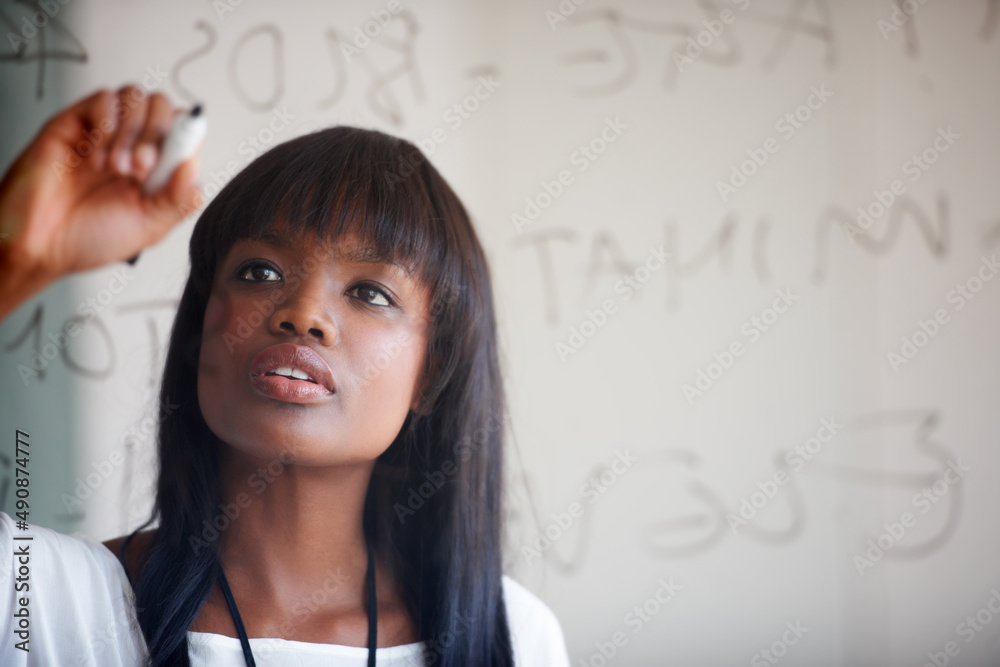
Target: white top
81, 613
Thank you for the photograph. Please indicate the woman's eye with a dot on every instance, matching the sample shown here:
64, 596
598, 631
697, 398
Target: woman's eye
258, 273
368, 292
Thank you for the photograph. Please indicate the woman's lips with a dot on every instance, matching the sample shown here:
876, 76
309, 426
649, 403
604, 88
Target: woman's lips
290, 389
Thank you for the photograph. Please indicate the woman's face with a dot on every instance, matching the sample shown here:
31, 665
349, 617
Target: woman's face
357, 329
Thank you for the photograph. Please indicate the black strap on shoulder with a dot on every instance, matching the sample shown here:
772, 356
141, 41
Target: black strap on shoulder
240, 630
372, 609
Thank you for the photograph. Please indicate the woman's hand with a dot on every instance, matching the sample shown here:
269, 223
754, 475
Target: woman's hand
73, 200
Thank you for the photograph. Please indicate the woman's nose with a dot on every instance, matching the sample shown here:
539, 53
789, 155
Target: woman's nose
306, 311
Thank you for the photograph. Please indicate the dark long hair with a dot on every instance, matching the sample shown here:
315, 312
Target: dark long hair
446, 553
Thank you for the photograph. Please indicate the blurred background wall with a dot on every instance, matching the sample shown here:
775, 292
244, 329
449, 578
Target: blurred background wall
744, 254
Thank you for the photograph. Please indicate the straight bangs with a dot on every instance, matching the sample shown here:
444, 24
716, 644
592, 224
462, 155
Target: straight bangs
332, 183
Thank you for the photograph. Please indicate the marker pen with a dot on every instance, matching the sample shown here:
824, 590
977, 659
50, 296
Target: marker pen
181, 143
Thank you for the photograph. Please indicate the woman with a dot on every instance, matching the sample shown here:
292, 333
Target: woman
331, 479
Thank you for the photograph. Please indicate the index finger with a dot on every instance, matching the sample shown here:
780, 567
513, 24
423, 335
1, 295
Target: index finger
85, 128
149, 144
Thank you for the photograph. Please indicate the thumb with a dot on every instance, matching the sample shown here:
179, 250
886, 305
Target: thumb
181, 196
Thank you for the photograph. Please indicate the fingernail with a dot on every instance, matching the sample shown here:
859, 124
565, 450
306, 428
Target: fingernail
124, 162
145, 154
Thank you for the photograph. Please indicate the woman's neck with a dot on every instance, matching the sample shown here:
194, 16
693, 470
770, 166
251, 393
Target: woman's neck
294, 530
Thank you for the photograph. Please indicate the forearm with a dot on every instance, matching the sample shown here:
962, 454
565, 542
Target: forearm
21, 272
18, 280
